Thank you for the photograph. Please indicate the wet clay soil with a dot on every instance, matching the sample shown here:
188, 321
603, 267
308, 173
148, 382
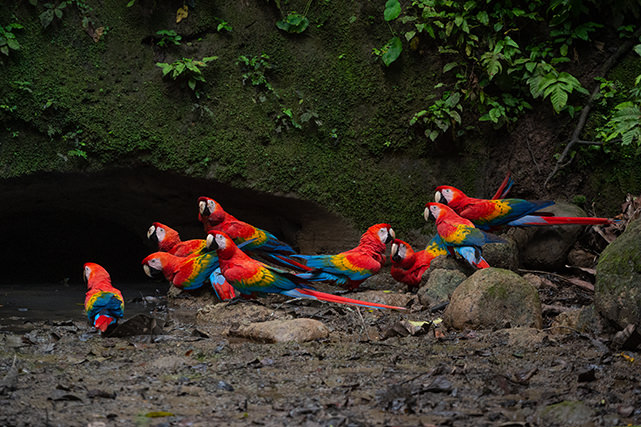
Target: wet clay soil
195, 373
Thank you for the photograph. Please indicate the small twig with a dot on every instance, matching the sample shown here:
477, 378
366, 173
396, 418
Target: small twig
554, 308
598, 344
579, 283
529, 148
585, 112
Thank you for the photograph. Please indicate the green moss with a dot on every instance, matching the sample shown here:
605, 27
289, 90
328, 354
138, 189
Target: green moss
375, 169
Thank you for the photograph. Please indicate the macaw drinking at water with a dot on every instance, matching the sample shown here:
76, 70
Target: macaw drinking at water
251, 277
168, 240
459, 234
103, 303
490, 214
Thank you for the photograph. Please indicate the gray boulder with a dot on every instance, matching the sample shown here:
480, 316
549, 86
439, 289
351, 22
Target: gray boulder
502, 255
440, 285
494, 298
617, 291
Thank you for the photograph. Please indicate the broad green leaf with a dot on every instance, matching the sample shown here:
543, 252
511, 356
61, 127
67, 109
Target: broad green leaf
392, 10
46, 17
13, 44
410, 35
637, 49
192, 84
483, 17
393, 51
453, 100
559, 99
447, 67
563, 50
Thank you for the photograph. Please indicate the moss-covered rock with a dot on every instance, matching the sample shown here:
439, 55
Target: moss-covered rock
494, 298
617, 291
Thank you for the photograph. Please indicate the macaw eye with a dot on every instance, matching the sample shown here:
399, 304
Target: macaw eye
211, 205
220, 240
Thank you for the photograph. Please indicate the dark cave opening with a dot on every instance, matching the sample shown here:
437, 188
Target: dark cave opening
51, 224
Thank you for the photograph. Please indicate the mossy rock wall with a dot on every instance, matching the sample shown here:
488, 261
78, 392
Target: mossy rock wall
66, 95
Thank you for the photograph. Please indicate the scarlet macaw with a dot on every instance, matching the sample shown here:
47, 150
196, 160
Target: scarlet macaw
168, 240
214, 217
350, 268
251, 277
188, 273
408, 266
490, 214
459, 234
103, 303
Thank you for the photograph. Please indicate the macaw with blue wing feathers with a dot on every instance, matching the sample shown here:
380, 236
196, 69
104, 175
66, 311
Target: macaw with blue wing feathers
459, 234
168, 240
350, 268
188, 273
490, 214
408, 266
214, 217
104, 304
251, 277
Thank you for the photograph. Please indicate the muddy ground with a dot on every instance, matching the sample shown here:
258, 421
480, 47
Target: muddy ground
195, 372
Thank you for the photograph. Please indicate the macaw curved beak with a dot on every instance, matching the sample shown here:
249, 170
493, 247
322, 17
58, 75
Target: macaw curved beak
151, 234
394, 253
152, 272
391, 235
439, 198
202, 207
427, 214
210, 243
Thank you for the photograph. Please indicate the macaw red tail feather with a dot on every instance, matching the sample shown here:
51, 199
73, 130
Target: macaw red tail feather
322, 296
290, 262
559, 220
482, 264
504, 188
102, 322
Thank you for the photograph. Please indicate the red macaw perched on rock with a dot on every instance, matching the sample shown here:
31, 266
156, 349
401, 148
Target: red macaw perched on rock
103, 303
459, 234
168, 240
188, 273
350, 268
408, 266
259, 241
251, 277
490, 214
